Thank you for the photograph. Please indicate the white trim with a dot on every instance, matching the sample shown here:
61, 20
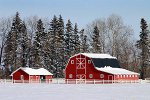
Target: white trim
15, 71
116, 71
31, 71
102, 76
89, 61
70, 76
72, 61
21, 77
81, 64
95, 55
90, 75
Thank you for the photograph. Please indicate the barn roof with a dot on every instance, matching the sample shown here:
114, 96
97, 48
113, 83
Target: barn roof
116, 71
96, 55
31, 71
101, 60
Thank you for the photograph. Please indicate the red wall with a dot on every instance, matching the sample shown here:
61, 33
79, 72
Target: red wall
31, 78
17, 74
90, 69
36, 78
126, 77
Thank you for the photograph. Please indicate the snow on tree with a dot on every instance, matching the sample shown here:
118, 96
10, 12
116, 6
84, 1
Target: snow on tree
11, 49
96, 45
143, 45
84, 46
24, 43
38, 45
68, 39
76, 41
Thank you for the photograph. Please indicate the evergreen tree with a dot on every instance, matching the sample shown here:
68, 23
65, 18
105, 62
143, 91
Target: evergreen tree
96, 45
68, 40
11, 51
84, 44
60, 48
24, 44
54, 42
143, 45
38, 44
76, 41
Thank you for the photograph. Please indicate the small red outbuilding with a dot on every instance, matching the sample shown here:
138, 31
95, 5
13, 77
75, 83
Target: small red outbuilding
89, 66
30, 75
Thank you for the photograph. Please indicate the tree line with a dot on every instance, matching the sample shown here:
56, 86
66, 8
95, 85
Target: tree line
36, 42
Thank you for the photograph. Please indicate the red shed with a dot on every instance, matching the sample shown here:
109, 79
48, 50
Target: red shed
30, 75
89, 66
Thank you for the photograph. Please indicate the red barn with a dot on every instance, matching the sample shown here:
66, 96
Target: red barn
89, 66
29, 75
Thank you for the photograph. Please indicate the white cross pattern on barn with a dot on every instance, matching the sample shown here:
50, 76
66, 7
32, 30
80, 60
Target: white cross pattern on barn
80, 65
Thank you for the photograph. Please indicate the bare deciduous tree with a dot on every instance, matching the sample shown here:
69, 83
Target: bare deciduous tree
115, 37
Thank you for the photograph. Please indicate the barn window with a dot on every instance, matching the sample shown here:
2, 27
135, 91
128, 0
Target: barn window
70, 75
121, 76
101, 75
72, 61
21, 77
135, 75
89, 61
132, 75
124, 75
118, 76
91, 76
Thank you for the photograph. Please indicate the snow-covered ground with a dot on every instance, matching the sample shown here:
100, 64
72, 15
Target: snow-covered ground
10, 91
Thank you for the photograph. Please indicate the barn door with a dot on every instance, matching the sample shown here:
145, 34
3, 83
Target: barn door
80, 67
110, 79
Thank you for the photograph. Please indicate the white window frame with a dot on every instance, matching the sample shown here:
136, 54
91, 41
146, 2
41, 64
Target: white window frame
132, 75
118, 76
102, 75
70, 75
72, 61
90, 75
135, 75
21, 77
89, 61
124, 76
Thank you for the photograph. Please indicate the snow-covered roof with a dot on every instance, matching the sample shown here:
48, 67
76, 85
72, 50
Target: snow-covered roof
96, 55
116, 71
31, 71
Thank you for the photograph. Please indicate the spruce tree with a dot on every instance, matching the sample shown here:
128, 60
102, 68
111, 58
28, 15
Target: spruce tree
76, 41
11, 49
60, 47
24, 44
143, 45
68, 40
96, 45
54, 42
38, 44
84, 42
